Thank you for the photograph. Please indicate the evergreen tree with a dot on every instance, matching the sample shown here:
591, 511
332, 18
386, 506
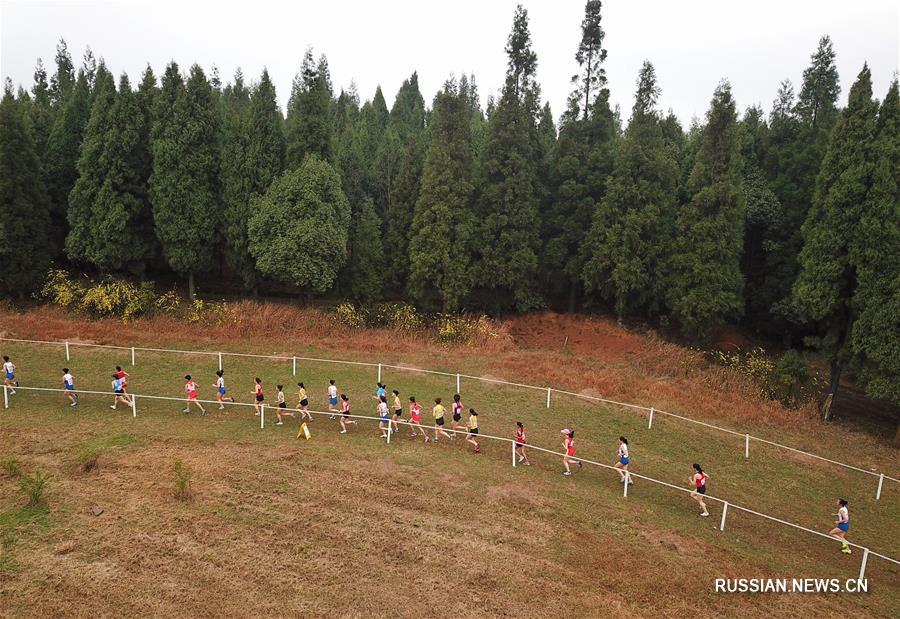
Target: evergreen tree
63, 80
308, 112
254, 124
185, 168
92, 169
510, 192
89, 66
61, 157
706, 285
366, 260
407, 121
298, 229
825, 292
24, 218
40, 113
443, 230
876, 300
122, 226
630, 236
582, 161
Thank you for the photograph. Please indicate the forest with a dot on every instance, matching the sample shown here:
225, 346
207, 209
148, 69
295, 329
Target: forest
786, 223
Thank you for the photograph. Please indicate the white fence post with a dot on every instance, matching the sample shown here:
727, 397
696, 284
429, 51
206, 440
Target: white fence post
389, 432
67, 351
133, 405
880, 484
262, 416
548, 397
724, 512
650, 423
5, 396
132, 356
513, 445
220, 361
379, 372
746, 446
295, 366
457, 383
862, 567
626, 486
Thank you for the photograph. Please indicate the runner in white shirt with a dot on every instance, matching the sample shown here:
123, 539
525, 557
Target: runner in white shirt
842, 525
10, 378
69, 385
623, 460
332, 397
220, 389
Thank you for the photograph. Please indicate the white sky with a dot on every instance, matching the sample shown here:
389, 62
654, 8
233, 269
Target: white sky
693, 43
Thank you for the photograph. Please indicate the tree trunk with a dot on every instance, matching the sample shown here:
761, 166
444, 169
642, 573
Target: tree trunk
192, 291
834, 383
573, 293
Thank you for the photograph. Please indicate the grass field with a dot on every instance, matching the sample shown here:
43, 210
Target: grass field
346, 525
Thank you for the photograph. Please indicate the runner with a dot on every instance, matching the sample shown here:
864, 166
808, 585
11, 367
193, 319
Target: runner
398, 410
332, 397
220, 389
842, 525
258, 397
279, 411
457, 409
380, 391
698, 480
303, 403
438, 412
69, 385
520, 444
383, 419
569, 446
622, 464
121, 396
123, 376
415, 418
190, 388
473, 430
345, 413
10, 380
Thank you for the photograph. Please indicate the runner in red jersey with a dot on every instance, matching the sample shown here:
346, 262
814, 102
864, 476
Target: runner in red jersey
698, 481
415, 418
569, 446
520, 444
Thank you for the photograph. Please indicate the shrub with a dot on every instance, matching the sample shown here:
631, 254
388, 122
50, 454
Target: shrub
400, 316
60, 289
169, 302
88, 458
351, 316
465, 329
182, 481
35, 486
11, 467
119, 299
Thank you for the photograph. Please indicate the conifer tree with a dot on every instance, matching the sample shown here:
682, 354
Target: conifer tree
308, 112
122, 223
581, 163
40, 113
510, 191
92, 169
407, 121
630, 236
876, 300
825, 292
24, 218
366, 259
298, 229
706, 285
443, 230
183, 186
61, 156
63, 80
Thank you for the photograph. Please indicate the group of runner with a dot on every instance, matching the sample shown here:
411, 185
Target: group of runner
387, 422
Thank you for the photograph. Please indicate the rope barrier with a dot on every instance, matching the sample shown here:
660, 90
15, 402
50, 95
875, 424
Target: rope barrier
478, 378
